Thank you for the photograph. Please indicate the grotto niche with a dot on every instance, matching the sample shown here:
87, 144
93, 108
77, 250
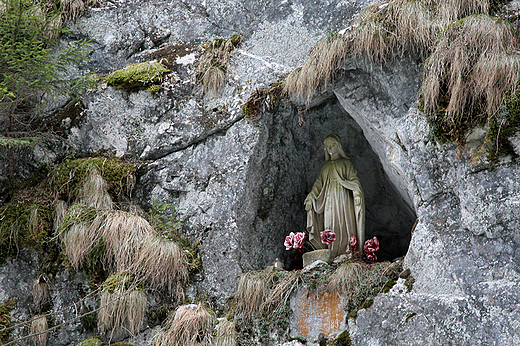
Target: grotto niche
387, 216
286, 169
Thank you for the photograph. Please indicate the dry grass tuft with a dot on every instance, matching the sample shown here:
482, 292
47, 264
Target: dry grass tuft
346, 277
379, 33
80, 231
75, 8
373, 32
59, 214
449, 11
123, 234
78, 241
162, 264
39, 330
225, 334
475, 60
95, 192
122, 307
252, 290
319, 68
41, 291
214, 62
281, 293
190, 325
34, 223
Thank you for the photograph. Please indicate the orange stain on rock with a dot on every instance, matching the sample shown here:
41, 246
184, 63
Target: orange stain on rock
320, 313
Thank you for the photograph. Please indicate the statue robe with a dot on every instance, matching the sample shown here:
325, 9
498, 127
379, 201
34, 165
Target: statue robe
333, 206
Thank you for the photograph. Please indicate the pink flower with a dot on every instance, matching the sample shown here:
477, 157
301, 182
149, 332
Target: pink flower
371, 247
298, 240
327, 236
289, 241
353, 243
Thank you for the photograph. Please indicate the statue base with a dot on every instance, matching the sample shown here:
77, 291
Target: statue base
324, 255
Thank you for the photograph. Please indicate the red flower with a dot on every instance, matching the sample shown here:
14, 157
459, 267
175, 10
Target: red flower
289, 241
295, 241
353, 243
298, 240
327, 236
371, 247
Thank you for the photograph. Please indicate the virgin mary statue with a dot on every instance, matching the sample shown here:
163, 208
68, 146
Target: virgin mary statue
336, 201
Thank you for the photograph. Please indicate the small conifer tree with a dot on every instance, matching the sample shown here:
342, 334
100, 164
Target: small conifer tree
29, 68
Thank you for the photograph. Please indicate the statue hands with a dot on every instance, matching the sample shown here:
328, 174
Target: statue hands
308, 204
357, 199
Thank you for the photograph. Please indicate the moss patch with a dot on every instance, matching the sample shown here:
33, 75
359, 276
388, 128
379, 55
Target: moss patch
343, 339
67, 179
26, 221
91, 342
137, 75
5, 319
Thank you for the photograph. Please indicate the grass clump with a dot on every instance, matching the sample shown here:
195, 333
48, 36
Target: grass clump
41, 291
262, 97
471, 62
189, 325
360, 283
162, 264
25, 222
137, 75
39, 327
212, 68
319, 68
6, 320
75, 8
252, 290
79, 233
225, 334
122, 306
91, 342
474, 64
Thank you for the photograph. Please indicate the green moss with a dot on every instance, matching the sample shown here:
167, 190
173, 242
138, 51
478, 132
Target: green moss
137, 75
301, 339
388, 286
91, 342
154, 88
67, 179
343, 339
122, 344
5, 320
410, 315
120, 280
351, 314
315, 279
26, 222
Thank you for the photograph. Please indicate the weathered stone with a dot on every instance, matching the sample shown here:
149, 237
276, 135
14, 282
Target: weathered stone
317, 313
324, 255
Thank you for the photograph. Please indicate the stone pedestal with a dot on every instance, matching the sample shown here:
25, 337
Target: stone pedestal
324, 255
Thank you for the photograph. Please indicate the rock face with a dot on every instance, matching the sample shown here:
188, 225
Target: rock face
239, 184
464, 250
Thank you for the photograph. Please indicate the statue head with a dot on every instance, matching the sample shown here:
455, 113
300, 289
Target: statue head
333, 148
